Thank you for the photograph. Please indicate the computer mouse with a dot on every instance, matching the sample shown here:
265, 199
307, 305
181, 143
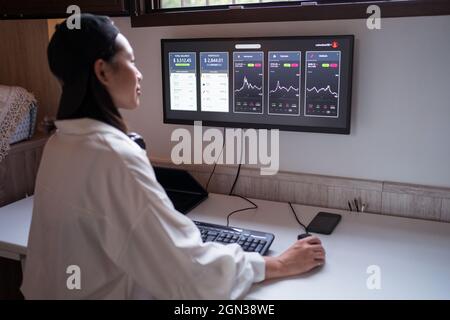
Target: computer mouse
303, 235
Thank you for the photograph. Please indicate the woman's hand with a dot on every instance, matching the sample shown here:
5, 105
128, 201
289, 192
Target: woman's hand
302, 256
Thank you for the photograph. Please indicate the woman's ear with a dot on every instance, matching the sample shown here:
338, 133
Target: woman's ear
101, 70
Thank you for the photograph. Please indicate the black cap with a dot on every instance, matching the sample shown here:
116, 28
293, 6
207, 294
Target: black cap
72, 53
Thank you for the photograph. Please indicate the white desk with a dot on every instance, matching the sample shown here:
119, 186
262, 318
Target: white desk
15, 221
413, 255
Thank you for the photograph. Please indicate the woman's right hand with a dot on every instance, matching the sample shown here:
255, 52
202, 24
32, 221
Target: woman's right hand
302, 256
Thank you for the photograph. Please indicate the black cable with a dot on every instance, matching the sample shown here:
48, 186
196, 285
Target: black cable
238, 171
215, 163
235, 180
296, 218
255, 206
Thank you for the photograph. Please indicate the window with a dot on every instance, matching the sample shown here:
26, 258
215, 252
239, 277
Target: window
165, 4
186, 12
170, 4
211, 4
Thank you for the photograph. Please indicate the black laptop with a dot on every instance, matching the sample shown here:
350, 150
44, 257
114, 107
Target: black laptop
184, 191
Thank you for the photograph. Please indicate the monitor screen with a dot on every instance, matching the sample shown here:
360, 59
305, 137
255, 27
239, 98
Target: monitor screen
286, 83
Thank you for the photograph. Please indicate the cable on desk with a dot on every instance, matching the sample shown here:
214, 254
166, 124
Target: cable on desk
239, 210
215, 163
296, 218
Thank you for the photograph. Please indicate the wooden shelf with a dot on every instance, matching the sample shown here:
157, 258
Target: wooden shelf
39, 139
19, 169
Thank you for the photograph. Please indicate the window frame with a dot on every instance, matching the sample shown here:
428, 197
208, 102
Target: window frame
270, 12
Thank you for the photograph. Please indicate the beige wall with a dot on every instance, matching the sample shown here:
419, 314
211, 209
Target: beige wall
400, 102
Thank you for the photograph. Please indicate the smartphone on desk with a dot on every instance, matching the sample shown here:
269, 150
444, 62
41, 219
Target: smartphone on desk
324, 223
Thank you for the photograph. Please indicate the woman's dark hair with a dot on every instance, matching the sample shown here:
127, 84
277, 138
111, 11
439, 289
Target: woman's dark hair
71, 55
97, 103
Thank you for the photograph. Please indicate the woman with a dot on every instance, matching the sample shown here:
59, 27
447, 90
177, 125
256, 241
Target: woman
99, 213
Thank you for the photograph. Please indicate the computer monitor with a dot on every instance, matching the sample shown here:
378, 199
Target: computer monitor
287, 83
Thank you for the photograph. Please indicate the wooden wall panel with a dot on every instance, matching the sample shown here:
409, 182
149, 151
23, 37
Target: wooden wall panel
445, 211
413, 206
338, 198
391, 198
19, 169
23, 52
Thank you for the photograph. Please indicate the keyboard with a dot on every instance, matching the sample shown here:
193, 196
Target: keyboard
249, 240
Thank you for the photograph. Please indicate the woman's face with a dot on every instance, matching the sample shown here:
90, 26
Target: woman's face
121, 76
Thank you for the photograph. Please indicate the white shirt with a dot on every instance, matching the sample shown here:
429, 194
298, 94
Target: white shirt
99, 207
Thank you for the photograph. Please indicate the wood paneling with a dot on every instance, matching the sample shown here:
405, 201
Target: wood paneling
414, 201
331, 181
23, 50
51, 24
18, 170
220, 183
413, 206
311, 194
338, 198
286, 190
419, 190
267, 188
445, 211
